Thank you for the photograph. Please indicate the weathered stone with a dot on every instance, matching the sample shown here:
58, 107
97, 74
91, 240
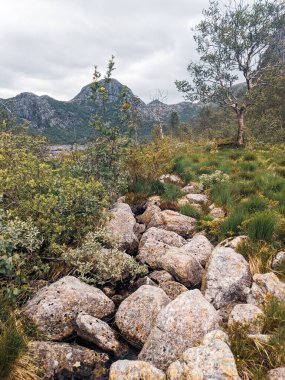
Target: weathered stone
200, 248
145, 281
154, 200
201, 199
98, 332
213, 360
264, 286
172, 288
233, 242
247, 316
160, 276
171, 178
135, 370
174, 221
193, 187
148, 214
225, 311
155, 242
139, 229
55, 307
122, 226
276, 374
259, 338
137, 314
227, 275
216, 212
180, 325
278, 260
66, 361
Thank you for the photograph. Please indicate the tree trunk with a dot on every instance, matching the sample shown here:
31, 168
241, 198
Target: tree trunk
241, 126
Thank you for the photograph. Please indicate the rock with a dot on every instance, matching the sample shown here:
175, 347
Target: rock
183, 267
259, 338
109, 291
225, 311
66, 361
122, 226
98, 332
185, 201
145, 281
233, 242
278, 260
148, 214
264, 286
160, 276
174, 221
137, 313
193, 187
135, 370
154, 242
154, 200
216, 212
247, 316
54, 308
139, 229
180, 325
200, 248
213, 360
171, 178
118, 299
172, 288
227, 275
276, 374
201, 199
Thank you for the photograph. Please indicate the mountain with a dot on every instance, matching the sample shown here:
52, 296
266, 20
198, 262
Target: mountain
69, 121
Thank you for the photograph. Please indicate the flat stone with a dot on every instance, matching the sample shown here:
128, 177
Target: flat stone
201, 199
135, 370
160, 276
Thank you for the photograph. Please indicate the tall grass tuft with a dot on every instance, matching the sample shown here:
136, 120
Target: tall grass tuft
171, 192
262, 226
190, 210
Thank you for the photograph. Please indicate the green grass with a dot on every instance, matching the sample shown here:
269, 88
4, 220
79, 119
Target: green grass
190, 210
262, 226
171, 192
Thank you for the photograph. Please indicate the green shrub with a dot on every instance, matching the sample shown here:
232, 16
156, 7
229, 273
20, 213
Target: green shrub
231, 226
218, 176
262, 226
222, 194
95, 262
190, 210
171, 192
253, 205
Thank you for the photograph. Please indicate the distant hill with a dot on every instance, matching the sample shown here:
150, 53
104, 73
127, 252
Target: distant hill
69, 121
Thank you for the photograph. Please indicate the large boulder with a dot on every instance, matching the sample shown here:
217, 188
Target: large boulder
55, 307
160, 276
200, 248
227, 275
68, 361
137, 314
135, 370
201, 199
212, 360
122, 226
216, 212
145, 218
265, 285
172, 288
279, 260
233, 242
249, 317
180, 325
174, 221
276, 374
94, 330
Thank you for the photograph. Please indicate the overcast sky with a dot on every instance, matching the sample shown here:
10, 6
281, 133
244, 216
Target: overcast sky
51, 46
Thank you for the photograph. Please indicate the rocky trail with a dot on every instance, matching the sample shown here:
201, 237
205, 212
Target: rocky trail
171, 324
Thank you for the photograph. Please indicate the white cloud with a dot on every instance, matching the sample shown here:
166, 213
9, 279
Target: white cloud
50, 46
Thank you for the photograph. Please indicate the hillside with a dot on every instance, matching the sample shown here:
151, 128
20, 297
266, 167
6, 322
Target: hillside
69, 121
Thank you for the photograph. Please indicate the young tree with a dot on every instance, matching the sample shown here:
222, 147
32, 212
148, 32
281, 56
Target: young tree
232, 41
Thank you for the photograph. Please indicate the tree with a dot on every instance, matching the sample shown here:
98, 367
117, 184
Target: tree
232, 42
174, 122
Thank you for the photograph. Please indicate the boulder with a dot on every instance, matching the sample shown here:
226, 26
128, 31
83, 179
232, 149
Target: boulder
122, 226
160, 276
179, 326
247, 316
174, 221
68, 361
227, 275
279, 260
55, 308
200, 199
145, 218
200, 248
172, 288
135, 370
216, 212
94, 330
153, 200
212, 360
233, 242
137, 314
139, 229
144, 281
265, 285
276, 374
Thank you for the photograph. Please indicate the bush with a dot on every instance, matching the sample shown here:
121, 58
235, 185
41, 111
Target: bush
218, 176
95, 263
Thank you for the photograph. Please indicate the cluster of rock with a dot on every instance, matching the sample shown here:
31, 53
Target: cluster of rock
171, 325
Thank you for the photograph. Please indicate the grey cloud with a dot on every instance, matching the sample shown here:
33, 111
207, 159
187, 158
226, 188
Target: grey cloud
51, 46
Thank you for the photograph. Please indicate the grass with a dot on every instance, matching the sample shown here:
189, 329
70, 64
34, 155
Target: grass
254, 359
190, 210
171, 192
262, 226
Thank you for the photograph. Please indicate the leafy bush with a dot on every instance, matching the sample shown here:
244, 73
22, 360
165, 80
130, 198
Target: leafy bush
218, 176
95, 263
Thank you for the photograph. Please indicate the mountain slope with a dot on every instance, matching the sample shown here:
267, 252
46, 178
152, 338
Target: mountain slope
69, 121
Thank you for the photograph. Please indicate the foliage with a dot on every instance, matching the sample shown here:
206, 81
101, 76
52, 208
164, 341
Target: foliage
171, 192
216, 177
262, 226
95, 263
190, 210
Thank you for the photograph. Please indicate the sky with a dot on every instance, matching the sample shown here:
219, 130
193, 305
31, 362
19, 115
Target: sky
51, 46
